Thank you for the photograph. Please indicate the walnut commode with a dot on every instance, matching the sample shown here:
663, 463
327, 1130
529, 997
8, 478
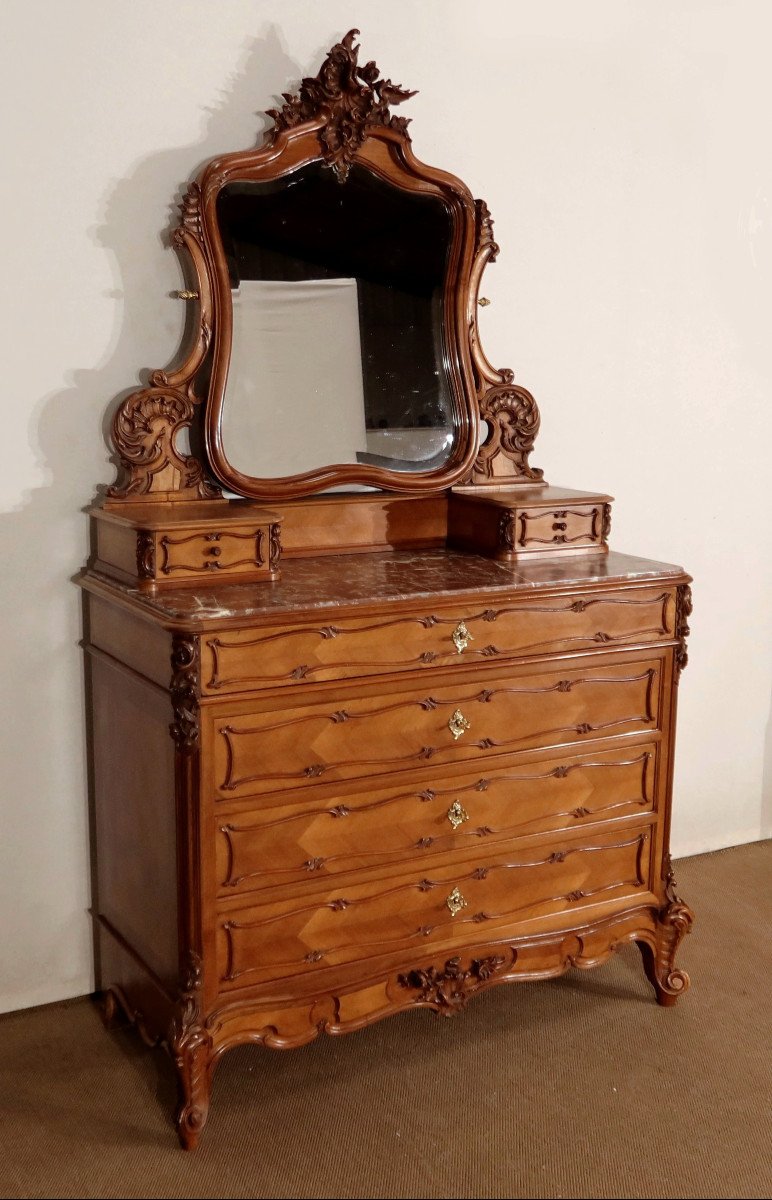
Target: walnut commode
428, 751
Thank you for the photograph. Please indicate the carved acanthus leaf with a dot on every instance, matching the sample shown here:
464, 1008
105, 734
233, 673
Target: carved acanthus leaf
190, 1046
190, 219
350, 99
682, 614
184, 690
484, 231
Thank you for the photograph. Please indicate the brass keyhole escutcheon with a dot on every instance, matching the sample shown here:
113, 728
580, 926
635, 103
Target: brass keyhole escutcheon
455, 902
461, 637
458, 724
457, 814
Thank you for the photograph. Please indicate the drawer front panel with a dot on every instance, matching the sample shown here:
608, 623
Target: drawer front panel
409, 910
266, 847
263, 751
351, 648
184, 556
537, 529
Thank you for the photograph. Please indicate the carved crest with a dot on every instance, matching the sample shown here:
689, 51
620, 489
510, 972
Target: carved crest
349, 98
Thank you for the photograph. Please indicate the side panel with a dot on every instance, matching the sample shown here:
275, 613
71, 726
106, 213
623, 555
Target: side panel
135, 822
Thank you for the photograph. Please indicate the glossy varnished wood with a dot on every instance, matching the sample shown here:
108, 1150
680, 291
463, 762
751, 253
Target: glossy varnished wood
562, 801
434, 756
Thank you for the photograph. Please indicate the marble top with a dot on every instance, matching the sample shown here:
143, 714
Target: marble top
309, 584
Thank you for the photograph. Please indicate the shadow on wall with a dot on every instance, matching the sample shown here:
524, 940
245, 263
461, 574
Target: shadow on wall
46, 728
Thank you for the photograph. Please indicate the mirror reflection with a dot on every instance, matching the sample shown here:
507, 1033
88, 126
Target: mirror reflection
337, 294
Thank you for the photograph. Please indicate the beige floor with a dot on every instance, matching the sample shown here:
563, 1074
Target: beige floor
579, 1087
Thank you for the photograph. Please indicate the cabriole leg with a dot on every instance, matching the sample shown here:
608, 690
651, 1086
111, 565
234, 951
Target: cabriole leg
673, 923
192, 1061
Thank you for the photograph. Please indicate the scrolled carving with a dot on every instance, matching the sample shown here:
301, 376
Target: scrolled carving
148, 422
349, 99
485, 241
144, 432
145, 554
682, 631
513, 421
449, 989
274, 533
184, 690
511, 413
190, 1047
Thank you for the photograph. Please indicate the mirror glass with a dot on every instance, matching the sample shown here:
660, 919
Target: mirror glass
338, 353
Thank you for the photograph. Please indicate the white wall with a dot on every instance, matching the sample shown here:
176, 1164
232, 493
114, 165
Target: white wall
623, 148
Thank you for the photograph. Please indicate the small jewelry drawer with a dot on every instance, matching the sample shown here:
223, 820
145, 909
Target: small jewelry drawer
256, 748
269, 844
164, 546
350, 647
413, 910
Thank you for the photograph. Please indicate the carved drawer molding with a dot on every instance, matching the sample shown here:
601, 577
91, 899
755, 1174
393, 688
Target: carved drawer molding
350, 647
277, 844
266, 749
363, 920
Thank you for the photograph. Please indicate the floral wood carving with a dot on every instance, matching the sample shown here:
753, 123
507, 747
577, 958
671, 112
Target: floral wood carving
190, 1047
682, 614
448, 990
349, 99
510, 412
148, 422
184, 690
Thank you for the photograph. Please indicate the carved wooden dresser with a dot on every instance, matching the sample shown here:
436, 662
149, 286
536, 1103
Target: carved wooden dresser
358, 752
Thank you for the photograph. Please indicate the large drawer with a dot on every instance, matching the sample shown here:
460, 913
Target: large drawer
257, 749
234, 660
269, 844
258, 944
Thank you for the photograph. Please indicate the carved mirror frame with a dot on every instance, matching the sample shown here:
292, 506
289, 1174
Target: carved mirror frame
340, 117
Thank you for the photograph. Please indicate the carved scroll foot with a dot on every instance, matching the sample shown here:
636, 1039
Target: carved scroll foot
192, 1060
668, 981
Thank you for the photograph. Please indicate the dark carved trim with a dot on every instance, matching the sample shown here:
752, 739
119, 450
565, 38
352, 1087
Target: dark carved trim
145, 554
507, 523
349, 99
190, 1047
449, 989
274, 533
682, 614
184, 690
606, 527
